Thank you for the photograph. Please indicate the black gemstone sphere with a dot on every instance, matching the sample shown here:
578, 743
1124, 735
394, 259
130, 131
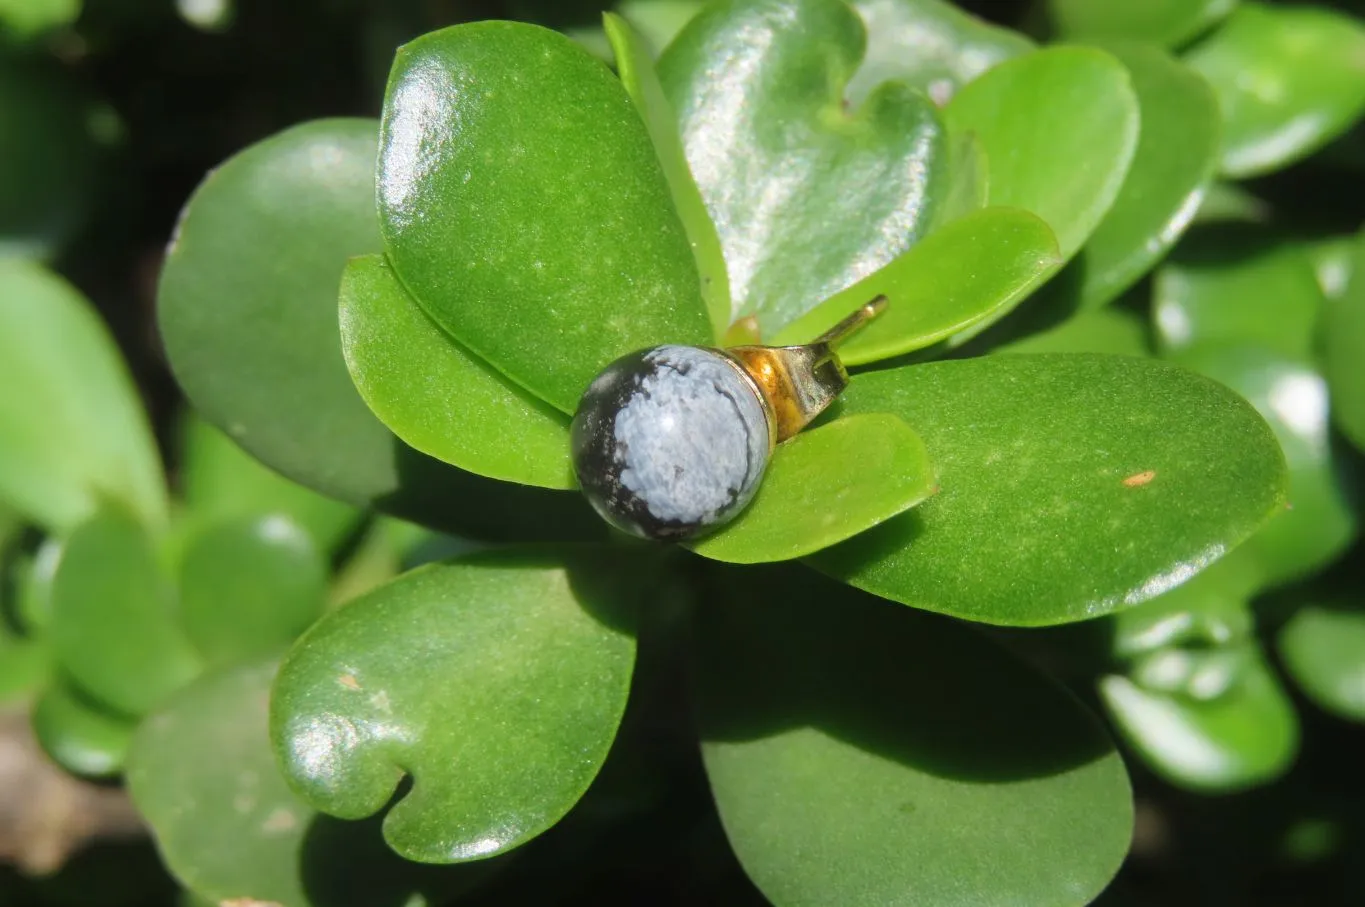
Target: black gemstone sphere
670, 442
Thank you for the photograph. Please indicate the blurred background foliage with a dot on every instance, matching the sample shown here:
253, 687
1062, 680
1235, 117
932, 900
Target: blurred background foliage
112, 111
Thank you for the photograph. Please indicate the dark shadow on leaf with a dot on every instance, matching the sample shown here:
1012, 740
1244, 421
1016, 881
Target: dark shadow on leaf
443, 497
780, 648
343, 864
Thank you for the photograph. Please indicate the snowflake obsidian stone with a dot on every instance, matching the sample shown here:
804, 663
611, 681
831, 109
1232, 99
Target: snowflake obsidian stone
671, 442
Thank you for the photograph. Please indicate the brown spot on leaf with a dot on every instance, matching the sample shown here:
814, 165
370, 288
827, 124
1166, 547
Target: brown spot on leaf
1138, 479
349, 682
279, 821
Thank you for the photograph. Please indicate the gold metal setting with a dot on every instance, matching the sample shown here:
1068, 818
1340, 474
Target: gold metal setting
797, 383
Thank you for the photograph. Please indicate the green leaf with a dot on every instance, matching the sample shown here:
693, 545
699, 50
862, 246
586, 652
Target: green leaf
929, 44
864, 754
219, 480
113, 624
1165, 22
1107, 330
1319, 522
256, 346
1198, 701
1037, 116
1333, 261
824, 486
26, 19
78, 734
975, 268
658, 21
1070, 486
1289, 79
1236, 285
72, 427
807, 196
202, 772
497, 682
24, 663
248, 586
1177, 153
635, 66
1323, 647
1343, 350
437, 396
544, 237
1227, 201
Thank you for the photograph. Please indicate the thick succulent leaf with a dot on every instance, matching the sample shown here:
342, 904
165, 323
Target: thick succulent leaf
1319, 521
496, 681
635, 66
929, 44
436, 395
1060, 127
1323, 648
248, 586
808, 197
524, 207
1236, 285
1164, 22
49, 152
113, 623
1289, 79
824, 486
1070, 486
240, 330
1244, 737
1198, 702
658, 21
72, 429
864, 754
202, 772
1177, 154
1343, 351
1106, 330
79, 735
975, 268
218, 479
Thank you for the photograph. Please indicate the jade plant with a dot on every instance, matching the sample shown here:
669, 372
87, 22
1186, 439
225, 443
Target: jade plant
1083, 492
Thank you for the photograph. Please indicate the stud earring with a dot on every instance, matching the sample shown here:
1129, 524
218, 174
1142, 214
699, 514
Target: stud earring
672, 442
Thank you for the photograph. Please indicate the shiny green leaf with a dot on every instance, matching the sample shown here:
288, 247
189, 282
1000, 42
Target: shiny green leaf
658, 21
1107, 330
1070, 486
256, 345
968, 181
248, 586
202, 772
436, 395
1333, 261
1163, 22
826, 485
974, 268
1198, 701
496, 681
1060, 127
1343, 350
218, 480
808, 196
1288, 79
929, 44
523, 206
113, 623
636, 68
1177, 153
1319, 522
72, 428
1236, 285
1323, 647
78, 734
864, 754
